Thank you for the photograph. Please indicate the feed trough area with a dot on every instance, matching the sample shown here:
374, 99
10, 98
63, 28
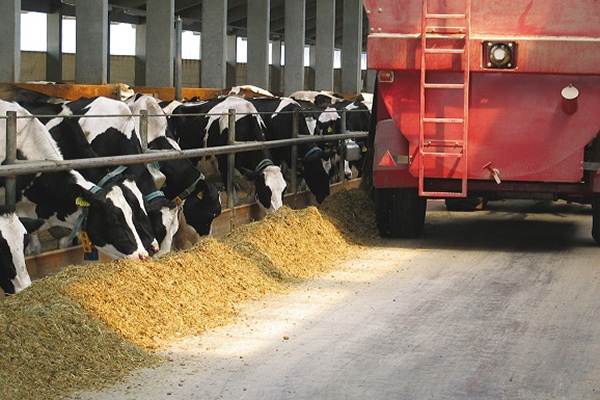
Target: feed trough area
91, 324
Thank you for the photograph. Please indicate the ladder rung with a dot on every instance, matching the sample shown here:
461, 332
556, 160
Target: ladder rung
444, 120
444, 85
432, 33
441, 154
443, 194
443, 143
431, 50
447, 30
445, 16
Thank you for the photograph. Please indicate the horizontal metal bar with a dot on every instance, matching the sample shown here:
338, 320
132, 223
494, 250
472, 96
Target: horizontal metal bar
444, 120
23, 167
591, 166
445, 16
444, 85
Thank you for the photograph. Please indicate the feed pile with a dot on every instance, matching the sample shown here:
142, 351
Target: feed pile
91, 324
352, 212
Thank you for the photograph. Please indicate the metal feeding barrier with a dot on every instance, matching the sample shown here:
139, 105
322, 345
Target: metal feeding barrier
14, 167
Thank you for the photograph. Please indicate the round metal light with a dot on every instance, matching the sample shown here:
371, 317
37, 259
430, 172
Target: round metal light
500, 54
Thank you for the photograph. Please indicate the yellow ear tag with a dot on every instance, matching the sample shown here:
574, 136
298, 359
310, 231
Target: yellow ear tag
86, 244
81, 202
329, 129
200, 195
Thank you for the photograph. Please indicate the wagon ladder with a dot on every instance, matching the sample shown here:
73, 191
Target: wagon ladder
443, 137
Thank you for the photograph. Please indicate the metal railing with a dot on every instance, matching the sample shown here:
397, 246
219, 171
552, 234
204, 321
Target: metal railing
13, 167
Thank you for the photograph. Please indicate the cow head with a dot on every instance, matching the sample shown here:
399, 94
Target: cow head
202, 206
164, 219
315, 168
270, 185
117, 222
13, 240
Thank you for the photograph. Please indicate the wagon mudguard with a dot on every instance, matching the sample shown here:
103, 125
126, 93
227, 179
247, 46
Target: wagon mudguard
392, 159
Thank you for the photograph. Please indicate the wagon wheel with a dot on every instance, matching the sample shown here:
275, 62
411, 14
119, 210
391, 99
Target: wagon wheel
400, 212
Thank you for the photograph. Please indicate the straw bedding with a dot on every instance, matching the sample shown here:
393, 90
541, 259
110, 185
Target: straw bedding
91, 324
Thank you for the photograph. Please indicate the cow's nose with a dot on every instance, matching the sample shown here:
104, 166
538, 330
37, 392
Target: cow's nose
143, 255
154, 247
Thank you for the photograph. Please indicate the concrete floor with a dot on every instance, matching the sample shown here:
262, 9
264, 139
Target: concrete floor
497, 304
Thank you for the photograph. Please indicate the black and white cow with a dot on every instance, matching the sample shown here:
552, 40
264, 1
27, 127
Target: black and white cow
328, 120
110, 129
205, 124
13, 239
309, 98
199, 199
116, 220
315, 164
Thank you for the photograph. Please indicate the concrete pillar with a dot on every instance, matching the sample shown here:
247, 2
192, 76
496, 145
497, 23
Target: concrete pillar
214, 44
231, 57
276, 67
140, 55
10, 32
352, 46
91, 47
312, 62
160, 42
295, 37
258, 42
54, 47
325, 44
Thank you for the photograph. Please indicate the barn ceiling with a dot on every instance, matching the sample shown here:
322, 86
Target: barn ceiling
190, 11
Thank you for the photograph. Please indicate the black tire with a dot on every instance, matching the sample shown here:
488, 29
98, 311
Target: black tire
596, 217
400, 212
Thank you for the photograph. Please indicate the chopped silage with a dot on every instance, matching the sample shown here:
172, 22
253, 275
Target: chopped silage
92, 324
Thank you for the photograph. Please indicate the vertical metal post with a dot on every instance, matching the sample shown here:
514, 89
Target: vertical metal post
11, 157
144, 130
342, 176
178, 59
230, 169
294, 166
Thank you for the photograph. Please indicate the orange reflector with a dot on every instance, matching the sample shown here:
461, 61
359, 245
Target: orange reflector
387, 160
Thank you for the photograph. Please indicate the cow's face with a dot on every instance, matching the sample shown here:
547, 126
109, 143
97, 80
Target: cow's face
117, 222
270, 188
316, 171
202, 207
164, 219
13, 239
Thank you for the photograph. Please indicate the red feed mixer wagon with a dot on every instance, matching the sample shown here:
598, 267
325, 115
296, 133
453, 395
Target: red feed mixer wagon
483, 98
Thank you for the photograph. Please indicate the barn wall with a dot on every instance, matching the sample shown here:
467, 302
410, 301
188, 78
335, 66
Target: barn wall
122, 70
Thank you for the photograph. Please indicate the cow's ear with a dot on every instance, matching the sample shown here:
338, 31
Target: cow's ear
284, 168
86, 195
248, 173
31, 224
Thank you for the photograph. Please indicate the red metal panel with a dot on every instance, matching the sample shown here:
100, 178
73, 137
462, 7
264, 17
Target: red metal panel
494, 17
554, 36
516, 123
535, 54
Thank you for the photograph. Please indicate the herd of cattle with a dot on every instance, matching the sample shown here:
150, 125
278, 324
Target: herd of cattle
127, 212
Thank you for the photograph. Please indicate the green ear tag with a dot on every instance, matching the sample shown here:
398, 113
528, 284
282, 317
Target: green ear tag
81, 202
